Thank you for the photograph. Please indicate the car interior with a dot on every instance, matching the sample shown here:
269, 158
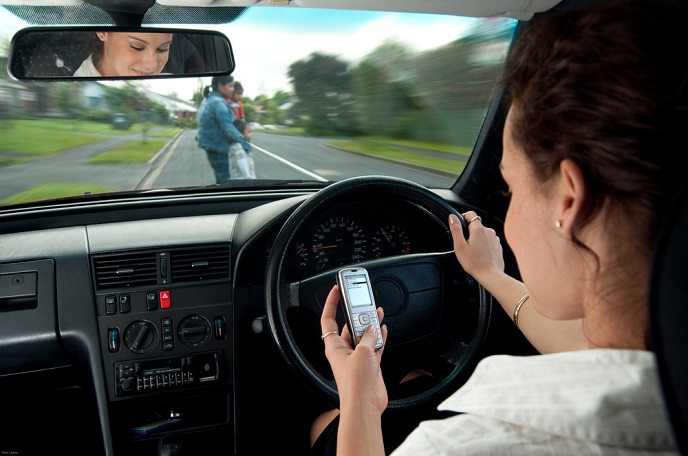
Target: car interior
184, 320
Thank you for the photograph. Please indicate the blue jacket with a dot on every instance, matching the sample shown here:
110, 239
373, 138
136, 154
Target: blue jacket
216, 130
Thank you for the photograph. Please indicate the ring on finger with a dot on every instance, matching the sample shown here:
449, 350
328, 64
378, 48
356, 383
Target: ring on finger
322, 337
477, 217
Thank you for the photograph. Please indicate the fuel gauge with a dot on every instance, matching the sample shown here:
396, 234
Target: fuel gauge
302, 255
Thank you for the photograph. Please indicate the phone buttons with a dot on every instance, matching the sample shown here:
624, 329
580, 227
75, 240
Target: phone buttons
364, 318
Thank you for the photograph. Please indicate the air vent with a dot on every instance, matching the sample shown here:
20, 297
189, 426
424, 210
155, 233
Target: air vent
123, 270
200, 264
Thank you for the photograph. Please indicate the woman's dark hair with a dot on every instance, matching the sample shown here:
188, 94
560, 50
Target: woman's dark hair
95, 47
606, 88
238, 87
216, 81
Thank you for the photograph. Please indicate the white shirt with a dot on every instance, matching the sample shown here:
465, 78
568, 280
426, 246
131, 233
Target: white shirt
87, 68
588, 402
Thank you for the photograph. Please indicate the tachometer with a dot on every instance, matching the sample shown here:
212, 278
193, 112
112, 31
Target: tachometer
336, 242
390, 240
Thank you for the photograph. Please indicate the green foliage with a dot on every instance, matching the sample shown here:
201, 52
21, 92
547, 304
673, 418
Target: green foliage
322, 85
130, 99
97, 115
66, 95
439, 94
251, 111
186, 122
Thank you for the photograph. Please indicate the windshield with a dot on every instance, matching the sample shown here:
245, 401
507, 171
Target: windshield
326, 95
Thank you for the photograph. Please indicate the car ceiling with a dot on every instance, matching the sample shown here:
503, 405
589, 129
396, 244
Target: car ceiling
517, 9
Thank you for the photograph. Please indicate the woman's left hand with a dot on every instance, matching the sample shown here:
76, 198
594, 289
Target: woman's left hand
356, 371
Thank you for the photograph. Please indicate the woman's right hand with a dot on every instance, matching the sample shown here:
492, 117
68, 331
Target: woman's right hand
481, 254
356, 371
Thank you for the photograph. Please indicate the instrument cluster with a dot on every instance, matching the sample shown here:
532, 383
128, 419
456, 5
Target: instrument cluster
352, 232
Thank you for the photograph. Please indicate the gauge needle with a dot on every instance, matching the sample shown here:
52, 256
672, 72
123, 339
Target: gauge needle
315, 247
385, 234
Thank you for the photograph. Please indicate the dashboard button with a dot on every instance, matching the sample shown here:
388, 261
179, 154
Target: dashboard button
165, 301
151, 300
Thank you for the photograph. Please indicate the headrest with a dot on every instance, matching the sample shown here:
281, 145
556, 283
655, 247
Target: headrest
669, 315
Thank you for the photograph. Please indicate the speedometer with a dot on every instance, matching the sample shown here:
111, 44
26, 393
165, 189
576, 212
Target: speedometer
336, 242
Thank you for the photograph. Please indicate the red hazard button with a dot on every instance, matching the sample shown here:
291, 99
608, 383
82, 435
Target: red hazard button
165, 299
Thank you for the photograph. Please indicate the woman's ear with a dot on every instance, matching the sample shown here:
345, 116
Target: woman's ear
572, 189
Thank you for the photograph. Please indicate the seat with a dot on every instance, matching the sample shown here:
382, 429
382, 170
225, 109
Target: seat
55, 55
669, 315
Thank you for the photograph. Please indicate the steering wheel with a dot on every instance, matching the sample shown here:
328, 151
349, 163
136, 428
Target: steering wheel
435, 312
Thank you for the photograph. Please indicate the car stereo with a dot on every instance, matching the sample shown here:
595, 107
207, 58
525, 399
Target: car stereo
132, 377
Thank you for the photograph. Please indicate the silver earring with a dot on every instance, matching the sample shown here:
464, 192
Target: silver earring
557, 223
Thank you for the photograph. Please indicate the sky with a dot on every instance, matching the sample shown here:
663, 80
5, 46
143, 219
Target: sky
265, 41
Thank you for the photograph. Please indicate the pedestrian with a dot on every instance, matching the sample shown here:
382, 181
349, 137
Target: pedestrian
216, 130
241, 164
235, 100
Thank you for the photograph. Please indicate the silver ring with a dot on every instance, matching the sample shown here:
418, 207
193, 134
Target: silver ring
477, 217
328, 334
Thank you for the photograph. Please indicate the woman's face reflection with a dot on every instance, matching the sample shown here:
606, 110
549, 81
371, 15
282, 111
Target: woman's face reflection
133, 54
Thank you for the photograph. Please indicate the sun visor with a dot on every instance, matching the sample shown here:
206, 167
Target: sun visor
516, 9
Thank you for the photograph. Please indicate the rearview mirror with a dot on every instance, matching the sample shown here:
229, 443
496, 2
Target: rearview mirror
118, 53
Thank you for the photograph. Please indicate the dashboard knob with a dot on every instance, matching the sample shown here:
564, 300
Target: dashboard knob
140, 336
194, 331
127, 384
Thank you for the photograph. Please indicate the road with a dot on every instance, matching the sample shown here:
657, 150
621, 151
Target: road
280, 157
182, 163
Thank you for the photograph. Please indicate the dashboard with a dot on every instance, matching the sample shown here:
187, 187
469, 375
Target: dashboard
161, 319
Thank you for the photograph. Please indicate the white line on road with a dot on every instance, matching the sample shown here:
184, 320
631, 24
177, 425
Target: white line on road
288, 163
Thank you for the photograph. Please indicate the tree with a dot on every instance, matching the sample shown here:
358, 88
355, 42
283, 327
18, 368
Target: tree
322, 87
130, 99
384, 86
197, 97
67, 97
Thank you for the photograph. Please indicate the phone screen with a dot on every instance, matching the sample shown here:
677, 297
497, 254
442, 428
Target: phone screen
359, 293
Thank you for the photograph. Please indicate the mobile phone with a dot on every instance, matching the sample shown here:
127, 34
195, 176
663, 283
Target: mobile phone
359, 304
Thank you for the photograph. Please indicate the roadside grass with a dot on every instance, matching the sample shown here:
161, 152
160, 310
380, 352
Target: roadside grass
134, 152
291, 131
388, 150
54, 190
439, 147
166, 133
37, 138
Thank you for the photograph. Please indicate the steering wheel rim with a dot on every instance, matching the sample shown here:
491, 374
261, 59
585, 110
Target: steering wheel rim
281, 296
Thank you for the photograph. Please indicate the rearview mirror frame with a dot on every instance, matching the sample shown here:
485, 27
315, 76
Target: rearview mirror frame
55, 53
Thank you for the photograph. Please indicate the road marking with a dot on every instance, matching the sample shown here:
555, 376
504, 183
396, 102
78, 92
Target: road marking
288, 163
163, 155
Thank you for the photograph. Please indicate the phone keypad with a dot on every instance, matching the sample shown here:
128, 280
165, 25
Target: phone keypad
362, 321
